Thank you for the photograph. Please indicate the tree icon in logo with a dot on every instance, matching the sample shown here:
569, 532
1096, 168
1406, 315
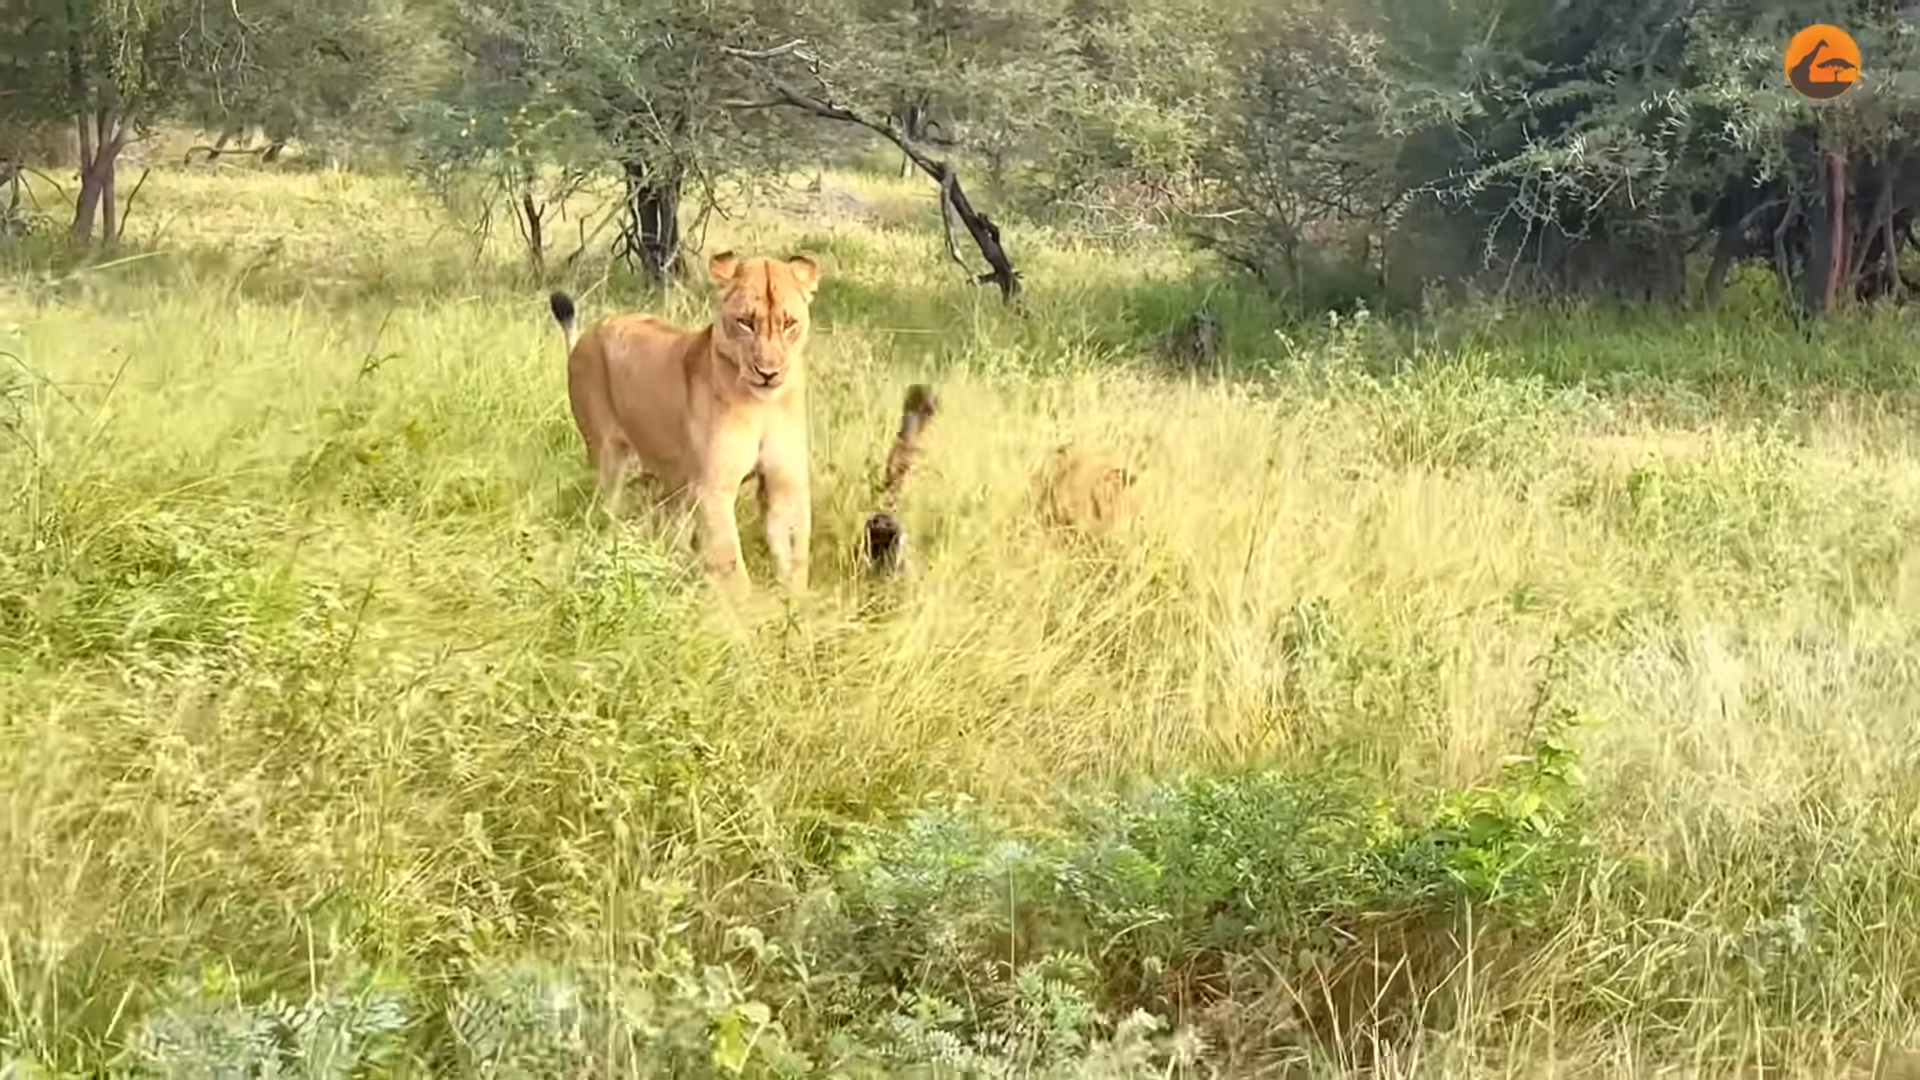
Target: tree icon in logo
1822, 62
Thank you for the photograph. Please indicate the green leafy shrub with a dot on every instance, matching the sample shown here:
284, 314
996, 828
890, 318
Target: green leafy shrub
1138, 903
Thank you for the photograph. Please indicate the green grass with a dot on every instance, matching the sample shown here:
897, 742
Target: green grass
1522, 698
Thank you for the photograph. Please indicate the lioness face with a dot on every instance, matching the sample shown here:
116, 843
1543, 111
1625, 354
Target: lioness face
763, 316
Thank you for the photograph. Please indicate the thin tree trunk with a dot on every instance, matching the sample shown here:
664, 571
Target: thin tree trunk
913, 124
1896, 288
86, 207
653, 220
87, 202
102, 137
109, 169
533, 230
1828, 264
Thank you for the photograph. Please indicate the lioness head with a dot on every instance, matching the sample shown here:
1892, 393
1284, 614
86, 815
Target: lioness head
763, 315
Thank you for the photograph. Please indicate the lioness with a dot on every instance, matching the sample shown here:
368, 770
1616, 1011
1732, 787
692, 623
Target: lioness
1084, 489
703, 410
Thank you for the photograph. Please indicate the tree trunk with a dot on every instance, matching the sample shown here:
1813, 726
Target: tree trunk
653, 219
102, 136
109, 170
533, 231
1828, 263
87, 206
913, 124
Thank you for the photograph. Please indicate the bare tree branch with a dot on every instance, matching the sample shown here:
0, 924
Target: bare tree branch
986, 235
794, 48
946, 221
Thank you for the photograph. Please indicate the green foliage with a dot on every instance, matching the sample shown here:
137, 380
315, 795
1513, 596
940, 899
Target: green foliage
208, 1029
123, 49
300, 70
1127, 897
994, 74
486, 149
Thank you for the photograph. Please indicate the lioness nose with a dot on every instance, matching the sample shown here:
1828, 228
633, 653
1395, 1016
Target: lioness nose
768, 377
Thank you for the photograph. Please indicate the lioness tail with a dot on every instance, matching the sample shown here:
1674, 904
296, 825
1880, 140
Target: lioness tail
563, 313
919, 407
886, 541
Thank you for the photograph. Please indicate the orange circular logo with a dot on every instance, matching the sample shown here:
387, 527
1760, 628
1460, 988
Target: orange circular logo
1822, 62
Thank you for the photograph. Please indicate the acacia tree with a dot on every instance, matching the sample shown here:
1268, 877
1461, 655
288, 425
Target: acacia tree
115, 68
1154, 84
1579, 148
109, 68
985, 76
523, 149
649, 79
816, 96
335, 74
1293, 161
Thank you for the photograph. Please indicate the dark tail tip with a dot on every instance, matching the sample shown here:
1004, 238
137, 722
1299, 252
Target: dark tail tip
920, 400
562, 306
883, 541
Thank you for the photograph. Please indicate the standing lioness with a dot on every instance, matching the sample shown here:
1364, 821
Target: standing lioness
705, 409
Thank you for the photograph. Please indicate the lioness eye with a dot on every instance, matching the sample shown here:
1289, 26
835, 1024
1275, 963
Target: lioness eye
788, 323
745, 321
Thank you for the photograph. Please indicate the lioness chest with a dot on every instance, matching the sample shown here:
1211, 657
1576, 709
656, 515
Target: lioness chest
683, 427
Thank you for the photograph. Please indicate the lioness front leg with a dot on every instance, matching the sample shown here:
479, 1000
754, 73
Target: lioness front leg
720, 534
786, 501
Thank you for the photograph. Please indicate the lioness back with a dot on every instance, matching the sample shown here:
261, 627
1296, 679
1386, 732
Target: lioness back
631, 380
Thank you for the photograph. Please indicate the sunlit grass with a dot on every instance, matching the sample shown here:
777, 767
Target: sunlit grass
314, 645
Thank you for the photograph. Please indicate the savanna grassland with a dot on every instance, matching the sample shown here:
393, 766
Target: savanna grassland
1524, 696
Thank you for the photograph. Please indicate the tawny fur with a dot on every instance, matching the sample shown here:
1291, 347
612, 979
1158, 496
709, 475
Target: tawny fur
1086, 490
886, 541
704, 409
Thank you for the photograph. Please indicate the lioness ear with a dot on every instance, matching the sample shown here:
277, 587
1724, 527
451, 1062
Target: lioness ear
806, 273
722, 267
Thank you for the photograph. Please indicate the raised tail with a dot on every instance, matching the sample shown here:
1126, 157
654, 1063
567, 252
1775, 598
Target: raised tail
915, 412
563, 313
886, 541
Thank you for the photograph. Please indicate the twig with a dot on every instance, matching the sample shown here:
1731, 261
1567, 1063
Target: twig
48, 179
126, 211
792, 48
213, 152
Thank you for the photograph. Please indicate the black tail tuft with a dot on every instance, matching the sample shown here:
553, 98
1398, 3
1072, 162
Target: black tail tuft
562, 306
883, 542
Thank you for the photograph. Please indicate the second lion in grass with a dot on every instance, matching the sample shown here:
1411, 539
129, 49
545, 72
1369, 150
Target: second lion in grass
705, 409
1085, 490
